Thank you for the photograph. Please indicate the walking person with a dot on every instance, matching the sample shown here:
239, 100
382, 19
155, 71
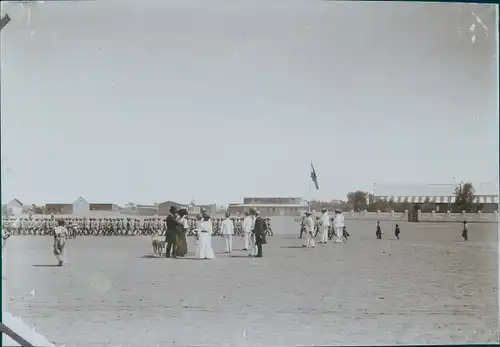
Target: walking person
60, 237
465, 231
325, 225
338, 223
259, 231
227, 231
302, 226
205, 250
397, 231
309, 229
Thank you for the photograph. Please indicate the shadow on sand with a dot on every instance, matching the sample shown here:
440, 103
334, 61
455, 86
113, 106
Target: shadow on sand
291, 247
46, 265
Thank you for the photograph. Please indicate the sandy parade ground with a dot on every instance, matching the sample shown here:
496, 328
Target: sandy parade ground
428, 287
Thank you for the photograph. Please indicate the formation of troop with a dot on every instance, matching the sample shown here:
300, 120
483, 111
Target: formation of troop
106, 226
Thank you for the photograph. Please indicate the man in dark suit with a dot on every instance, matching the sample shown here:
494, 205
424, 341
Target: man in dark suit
171, 235
259, 231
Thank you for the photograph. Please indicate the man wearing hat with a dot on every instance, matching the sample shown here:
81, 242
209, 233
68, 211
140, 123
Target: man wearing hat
325, 225
171, 235
309, 224
259, 231
338, 224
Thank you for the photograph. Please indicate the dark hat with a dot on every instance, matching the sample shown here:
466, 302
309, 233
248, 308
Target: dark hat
308, 213
323, 209
173, 209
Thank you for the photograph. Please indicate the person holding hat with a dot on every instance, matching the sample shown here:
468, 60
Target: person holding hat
309, 230
325, 225
171, 236
227, 231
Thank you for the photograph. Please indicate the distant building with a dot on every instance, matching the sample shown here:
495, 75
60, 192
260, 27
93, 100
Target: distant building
104, 207
146, 210
59, 208
81, 207
192, 208
442, 196
14, 208
271, 206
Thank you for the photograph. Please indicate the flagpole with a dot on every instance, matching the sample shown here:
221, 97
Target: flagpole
310, 195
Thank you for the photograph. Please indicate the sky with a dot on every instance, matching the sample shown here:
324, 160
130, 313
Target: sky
149, 101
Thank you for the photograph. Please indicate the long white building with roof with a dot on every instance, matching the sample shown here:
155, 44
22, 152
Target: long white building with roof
485, 193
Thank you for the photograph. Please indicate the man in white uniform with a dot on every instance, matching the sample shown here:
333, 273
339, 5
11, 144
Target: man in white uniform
247, 229
227, 231
325, 225
309, 231
338, 223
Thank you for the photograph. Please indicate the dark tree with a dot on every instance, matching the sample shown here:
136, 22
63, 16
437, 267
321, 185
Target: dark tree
464, 196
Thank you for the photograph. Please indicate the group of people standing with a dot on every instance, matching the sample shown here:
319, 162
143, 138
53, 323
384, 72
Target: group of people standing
328, 227
254, 228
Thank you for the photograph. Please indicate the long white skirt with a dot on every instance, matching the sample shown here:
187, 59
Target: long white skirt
204, 250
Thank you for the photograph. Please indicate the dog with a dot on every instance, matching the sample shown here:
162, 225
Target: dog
158, 246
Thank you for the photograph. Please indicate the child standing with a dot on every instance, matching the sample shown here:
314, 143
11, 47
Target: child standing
397, 231
465, 232
378, 233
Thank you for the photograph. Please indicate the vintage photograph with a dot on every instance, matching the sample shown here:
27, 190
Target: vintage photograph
239, 173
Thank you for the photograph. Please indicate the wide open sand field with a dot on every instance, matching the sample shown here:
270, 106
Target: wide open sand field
429, 287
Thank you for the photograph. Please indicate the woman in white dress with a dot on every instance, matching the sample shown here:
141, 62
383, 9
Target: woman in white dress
227, 231
205, 250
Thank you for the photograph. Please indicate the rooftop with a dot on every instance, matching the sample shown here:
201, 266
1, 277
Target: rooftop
431, 189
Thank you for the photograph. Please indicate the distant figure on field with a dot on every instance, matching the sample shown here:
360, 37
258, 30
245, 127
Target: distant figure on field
60, 237
345, 233
378, 233
397, 232
465, 231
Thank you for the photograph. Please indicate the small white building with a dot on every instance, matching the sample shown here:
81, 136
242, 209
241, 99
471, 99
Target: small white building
15, 207
81, 207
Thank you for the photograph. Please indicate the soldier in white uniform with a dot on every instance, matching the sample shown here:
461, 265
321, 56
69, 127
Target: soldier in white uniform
338, 223
325, 225
309, 229
227, 231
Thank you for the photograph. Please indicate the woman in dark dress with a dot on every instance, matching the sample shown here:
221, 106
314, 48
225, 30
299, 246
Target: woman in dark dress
181, 236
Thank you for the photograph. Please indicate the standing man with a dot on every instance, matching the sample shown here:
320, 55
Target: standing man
171, 234
325, 225
259, 230
247, 229
309, 230
338, 223
227, 231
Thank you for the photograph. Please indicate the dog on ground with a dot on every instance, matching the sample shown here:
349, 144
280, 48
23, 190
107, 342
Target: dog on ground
158, 246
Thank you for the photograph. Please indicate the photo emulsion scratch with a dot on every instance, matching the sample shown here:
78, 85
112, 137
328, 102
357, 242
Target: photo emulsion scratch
249, 173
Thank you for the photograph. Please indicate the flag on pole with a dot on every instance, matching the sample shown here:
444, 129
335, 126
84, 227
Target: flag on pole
314, 176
